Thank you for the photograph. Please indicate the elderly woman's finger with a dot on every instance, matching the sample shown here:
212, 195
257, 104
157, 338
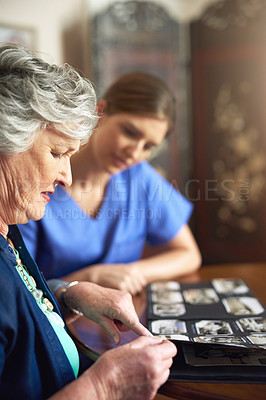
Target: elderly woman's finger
135, 325
113, 328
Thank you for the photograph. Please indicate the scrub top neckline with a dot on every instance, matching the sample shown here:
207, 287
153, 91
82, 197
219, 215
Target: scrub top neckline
102, 207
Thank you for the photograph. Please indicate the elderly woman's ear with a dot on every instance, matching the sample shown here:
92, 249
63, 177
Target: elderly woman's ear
101, 107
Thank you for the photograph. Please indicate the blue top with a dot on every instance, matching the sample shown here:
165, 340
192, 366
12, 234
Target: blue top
54, 318
139, 205
33, 364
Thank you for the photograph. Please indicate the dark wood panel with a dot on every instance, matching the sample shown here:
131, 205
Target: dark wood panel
229, 81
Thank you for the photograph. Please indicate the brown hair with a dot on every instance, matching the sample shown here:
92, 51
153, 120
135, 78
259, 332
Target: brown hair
142, 94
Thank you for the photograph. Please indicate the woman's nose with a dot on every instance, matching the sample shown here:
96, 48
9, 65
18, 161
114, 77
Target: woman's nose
65, 174
135, 151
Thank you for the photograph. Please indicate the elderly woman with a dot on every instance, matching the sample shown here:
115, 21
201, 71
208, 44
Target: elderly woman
46, 113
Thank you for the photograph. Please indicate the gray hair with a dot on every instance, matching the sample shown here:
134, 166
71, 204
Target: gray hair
35, 94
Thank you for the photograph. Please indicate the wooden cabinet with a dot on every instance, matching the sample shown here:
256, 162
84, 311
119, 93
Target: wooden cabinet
141, 35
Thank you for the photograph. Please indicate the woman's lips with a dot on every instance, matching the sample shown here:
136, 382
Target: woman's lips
120, 163
45, 196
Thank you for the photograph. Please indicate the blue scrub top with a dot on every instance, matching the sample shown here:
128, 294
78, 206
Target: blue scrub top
139, 206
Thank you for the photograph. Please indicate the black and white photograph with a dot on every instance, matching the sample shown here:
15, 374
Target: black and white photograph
230, 286
230, 340
169, 285
242, 305
166, 310
168, 327
201, 296
252, 324
212, 355
166, 297
258, 339
213, 327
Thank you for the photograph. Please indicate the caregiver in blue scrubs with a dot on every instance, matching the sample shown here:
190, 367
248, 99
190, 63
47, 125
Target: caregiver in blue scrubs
118, 204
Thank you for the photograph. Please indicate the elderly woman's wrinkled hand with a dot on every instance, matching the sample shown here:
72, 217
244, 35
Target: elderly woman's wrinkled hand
112, 309
133, 371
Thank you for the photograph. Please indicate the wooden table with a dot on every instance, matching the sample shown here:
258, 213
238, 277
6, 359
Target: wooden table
93, 341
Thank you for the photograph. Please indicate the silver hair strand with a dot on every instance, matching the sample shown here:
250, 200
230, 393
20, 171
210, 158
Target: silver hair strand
35, 94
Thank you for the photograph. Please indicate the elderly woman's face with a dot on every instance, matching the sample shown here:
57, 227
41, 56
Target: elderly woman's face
33, 174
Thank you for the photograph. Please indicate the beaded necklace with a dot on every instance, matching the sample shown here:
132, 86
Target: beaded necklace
45, 305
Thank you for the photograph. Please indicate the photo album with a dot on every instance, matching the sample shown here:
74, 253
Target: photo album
218, 326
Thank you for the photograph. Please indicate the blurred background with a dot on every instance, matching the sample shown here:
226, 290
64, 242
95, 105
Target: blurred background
212, 53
